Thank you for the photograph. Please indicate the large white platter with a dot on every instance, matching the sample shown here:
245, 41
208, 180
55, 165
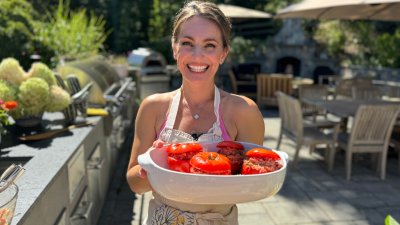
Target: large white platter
210, 189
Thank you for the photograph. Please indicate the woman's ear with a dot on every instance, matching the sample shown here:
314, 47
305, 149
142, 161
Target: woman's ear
224, 55
174, 49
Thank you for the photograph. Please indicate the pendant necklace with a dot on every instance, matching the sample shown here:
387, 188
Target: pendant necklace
196, 116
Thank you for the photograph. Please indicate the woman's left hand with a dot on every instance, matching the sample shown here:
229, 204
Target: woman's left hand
158, 143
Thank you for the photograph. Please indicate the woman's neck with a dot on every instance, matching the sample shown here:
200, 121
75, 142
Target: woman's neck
197, 96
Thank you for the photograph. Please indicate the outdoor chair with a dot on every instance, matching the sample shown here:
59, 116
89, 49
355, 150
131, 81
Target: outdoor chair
243, 87
269, 84
344, 86
366, 92
313, 91
370, 133
294, 128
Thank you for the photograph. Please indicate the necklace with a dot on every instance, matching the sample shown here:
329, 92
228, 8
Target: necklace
196, 116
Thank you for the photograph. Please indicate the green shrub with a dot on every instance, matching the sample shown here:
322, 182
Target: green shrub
71, 34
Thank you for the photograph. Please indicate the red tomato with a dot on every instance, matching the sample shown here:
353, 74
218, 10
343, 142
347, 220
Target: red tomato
261, 161
210, 163
262, 153
178, 164
184, 147
180, 154
230, 144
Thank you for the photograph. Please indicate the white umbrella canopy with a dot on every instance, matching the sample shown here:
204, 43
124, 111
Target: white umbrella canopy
241, 13
388, 10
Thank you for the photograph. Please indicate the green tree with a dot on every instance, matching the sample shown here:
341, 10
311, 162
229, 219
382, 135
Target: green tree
160, 26
16, 19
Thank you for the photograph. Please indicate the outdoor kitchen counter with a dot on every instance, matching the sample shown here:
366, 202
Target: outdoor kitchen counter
44, 197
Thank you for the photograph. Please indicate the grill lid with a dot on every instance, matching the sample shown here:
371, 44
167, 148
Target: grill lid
95, 70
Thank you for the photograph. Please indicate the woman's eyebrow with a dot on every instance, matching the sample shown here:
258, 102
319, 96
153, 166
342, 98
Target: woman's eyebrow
205, 40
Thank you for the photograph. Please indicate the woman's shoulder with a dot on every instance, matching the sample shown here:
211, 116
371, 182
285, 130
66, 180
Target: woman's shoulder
157, 102
237, 102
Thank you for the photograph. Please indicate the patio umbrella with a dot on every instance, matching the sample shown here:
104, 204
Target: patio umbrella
344, 9
241, 13
247, 22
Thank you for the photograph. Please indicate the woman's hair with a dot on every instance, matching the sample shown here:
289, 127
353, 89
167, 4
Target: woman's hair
208, 11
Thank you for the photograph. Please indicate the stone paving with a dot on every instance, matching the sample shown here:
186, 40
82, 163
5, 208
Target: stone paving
310, 195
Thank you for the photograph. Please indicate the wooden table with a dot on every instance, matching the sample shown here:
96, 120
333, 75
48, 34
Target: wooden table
345, 108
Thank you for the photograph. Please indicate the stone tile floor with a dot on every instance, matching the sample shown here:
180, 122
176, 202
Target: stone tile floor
310, 196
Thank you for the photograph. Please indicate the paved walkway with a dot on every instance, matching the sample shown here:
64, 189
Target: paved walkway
310, 196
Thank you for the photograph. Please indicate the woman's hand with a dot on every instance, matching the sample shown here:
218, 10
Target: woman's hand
158, 143
142, 173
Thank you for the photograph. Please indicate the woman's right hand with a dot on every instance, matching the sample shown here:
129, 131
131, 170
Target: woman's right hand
142, 173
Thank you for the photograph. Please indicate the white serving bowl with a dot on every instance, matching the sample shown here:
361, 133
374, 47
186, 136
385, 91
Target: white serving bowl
210, 189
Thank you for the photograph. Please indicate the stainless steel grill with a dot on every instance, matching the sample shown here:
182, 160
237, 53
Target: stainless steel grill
150, 70
109, 91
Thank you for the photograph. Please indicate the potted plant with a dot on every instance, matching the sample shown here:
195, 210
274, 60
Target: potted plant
35, 91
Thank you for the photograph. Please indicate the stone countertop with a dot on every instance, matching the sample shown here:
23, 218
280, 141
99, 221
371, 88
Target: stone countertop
48, 157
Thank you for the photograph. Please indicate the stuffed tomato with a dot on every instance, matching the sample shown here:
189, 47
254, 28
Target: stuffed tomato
259, 160
234, 151
210, 163
179, 155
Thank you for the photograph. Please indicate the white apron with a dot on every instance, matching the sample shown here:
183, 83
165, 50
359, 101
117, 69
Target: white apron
163, 211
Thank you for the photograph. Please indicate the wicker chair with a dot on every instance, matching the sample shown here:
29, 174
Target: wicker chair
370, 133
293, 127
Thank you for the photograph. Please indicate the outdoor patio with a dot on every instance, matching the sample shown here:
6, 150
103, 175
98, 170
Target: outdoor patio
311, 195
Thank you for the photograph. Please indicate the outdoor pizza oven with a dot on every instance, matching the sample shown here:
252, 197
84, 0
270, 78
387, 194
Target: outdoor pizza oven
150, 71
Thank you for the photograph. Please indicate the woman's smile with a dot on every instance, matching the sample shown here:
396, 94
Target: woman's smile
197, 69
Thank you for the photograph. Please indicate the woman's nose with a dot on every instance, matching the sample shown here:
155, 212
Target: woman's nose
197, 51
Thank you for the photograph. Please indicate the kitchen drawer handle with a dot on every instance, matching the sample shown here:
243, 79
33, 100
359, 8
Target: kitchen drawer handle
95, 164
83, 215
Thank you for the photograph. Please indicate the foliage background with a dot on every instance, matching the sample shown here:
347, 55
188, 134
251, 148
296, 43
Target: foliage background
127, 24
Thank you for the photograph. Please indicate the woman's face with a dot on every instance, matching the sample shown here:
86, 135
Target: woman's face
199, 49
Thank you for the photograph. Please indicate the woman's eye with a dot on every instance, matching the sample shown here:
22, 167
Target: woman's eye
186, 43
210, 46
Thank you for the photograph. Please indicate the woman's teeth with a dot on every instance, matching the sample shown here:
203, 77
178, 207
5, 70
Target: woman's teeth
198, 69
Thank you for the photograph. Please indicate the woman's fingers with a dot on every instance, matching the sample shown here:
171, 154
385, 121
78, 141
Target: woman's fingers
142, 173
158, 143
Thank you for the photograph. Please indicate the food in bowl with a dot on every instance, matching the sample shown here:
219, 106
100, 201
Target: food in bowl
259, 160
235, 153
179, 155
8, 201
210, 188
210, 163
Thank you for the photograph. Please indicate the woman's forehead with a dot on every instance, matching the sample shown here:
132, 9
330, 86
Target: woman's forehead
201, 28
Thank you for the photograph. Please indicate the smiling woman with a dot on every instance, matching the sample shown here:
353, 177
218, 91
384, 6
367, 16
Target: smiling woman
197, 111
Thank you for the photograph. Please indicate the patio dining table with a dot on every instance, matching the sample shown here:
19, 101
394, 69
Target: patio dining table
345, 108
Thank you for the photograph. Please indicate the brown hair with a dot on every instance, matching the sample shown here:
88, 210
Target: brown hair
206, 10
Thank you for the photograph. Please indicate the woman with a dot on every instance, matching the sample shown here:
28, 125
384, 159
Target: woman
198, 111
